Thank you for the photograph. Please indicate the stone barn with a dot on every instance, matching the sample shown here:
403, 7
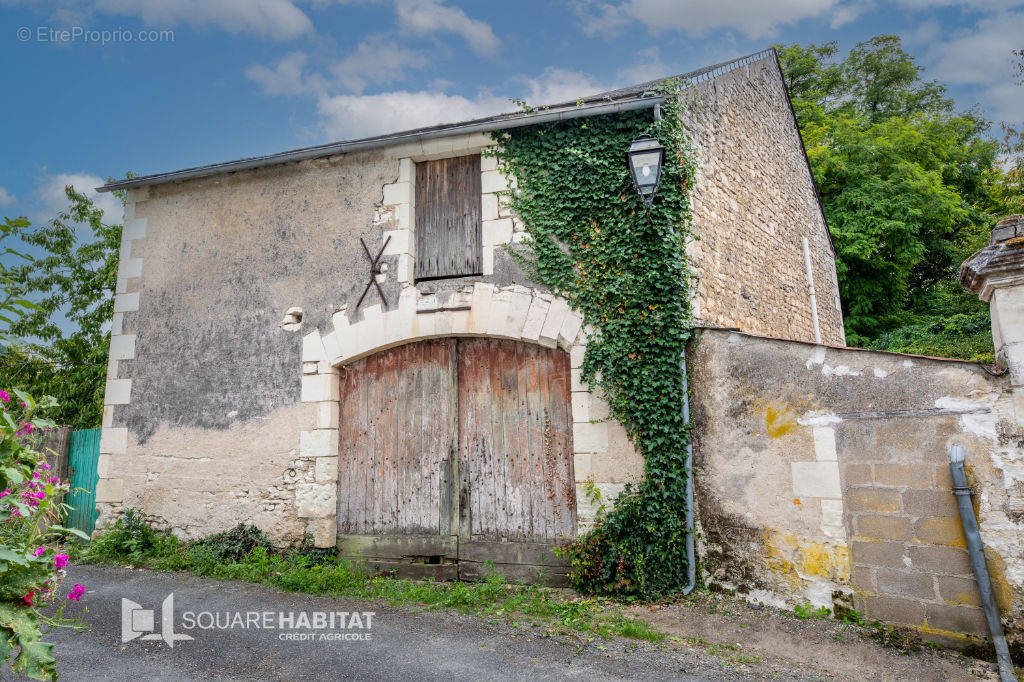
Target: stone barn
335, 343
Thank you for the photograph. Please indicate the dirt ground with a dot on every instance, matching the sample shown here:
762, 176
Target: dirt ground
762, 642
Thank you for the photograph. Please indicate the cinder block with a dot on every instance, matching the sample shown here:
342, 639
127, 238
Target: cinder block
117, 324
118, 392
963, 619
863, 577
832, 513
312, 347
535, 319
878, 553
318, 443
901, 475
905, 583
110, 490
105, 466
114, 441
883, 527
955, 590
327, 415
576, 377
126, 303
553, 323
825, 444
874, 500
318, 388
940, 531
941, 560
930, 502
122, 346
326, 469
816, 479
891, 609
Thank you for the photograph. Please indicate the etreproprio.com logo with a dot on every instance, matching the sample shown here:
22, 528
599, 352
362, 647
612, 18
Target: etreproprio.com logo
303, 626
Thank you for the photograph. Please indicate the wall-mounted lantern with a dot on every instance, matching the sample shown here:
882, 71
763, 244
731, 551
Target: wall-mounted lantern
646, 157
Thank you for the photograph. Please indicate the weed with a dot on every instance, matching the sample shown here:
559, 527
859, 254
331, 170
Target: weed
903, 640
808, 611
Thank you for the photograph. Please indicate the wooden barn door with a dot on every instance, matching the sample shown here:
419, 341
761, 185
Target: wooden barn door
455, 453
515, 450
396, 461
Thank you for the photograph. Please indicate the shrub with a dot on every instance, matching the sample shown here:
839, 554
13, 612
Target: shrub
231, 545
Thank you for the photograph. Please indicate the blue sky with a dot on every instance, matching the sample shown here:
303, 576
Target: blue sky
235, 78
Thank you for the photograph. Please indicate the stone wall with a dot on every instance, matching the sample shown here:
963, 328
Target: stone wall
205, 424
753, 204
822, 476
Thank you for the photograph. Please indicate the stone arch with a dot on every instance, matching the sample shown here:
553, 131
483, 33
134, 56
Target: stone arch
512, 312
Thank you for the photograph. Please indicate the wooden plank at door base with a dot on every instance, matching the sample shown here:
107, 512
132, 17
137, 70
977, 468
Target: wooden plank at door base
398, 547
414, 571
551, 576
531, 553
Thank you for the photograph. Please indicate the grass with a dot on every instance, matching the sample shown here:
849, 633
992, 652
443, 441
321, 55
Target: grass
241, 554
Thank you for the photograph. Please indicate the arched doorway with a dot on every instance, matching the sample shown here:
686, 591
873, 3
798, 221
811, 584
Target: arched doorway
455, 452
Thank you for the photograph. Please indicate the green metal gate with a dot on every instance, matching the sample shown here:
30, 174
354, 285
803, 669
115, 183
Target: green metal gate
83, 456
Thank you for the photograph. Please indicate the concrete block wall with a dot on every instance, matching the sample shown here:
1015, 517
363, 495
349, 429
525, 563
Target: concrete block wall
822, 476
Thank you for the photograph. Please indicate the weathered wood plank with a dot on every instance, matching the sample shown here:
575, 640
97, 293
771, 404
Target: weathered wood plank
398, 546
514, 573
448, 218
536, 553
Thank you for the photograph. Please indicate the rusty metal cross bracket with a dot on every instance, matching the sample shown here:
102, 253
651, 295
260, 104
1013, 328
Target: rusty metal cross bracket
376, 268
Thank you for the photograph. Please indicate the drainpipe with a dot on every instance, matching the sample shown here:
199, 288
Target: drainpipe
810, 285
691, 561
974, 546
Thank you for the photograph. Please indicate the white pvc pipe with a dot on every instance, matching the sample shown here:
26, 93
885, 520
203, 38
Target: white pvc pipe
810, 285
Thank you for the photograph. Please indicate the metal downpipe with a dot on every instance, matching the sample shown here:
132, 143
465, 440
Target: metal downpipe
976, 549
691, 561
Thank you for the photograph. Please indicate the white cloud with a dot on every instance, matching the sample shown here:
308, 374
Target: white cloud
649, 67
286, 77
6, 199
350, 116
378, 60
50, 198
429, 17
754, 18
979, 59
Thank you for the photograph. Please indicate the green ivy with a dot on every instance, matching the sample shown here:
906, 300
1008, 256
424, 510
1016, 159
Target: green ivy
624, 269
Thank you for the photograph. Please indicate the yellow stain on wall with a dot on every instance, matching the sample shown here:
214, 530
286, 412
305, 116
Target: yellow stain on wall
779, 422
794, 558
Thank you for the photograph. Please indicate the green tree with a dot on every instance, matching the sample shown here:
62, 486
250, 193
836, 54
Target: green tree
910, 187
65, 337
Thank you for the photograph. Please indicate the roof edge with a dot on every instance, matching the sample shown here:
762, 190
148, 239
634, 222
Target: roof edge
612, 101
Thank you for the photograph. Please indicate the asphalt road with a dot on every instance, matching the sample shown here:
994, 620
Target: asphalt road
403, 644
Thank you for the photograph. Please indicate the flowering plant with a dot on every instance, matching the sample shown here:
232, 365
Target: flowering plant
31, 570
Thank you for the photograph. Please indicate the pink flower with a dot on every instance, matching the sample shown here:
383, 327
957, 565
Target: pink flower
28, 598
38, 551
60, 561
5, 396
54, 480
24, 404
41, 495
6, 492
44, 465
76, 593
